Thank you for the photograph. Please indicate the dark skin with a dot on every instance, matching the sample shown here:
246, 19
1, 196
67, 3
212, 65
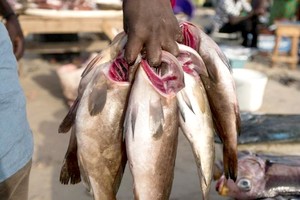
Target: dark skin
13, 27
151, 26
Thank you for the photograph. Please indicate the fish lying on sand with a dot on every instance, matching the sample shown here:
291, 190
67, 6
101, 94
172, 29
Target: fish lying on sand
263, 176
151, 128
220, 90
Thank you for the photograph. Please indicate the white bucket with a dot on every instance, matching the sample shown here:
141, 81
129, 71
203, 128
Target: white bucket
250, 88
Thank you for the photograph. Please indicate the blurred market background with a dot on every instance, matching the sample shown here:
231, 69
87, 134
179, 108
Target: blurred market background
62, 36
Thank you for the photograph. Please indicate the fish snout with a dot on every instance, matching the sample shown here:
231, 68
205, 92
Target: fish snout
221, 187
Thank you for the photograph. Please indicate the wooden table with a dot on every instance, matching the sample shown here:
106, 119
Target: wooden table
31, 24
291, 30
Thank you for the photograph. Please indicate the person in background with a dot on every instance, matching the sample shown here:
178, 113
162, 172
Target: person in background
16, 140
238, 16
151, 25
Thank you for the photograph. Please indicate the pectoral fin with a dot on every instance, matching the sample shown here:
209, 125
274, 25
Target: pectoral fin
97, 97
156, 118
187, 100
68, 121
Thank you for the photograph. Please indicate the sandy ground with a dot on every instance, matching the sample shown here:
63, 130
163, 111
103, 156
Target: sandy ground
47, 107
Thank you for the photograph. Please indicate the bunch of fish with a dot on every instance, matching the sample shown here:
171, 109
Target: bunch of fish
263, 176
134, 112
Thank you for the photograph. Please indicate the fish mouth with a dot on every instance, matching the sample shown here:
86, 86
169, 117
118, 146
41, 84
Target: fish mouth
221, 187
167, 79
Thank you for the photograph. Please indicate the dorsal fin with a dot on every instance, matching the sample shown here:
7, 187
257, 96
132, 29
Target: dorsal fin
68, 121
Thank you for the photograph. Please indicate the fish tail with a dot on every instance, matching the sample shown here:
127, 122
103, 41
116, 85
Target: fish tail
230, 163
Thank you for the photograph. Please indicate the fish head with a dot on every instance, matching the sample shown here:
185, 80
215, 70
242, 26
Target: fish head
197, 39
191, 61
250, 182
166, 79
119, 71
191, 35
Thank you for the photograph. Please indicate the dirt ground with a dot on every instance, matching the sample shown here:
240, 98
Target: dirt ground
46, 108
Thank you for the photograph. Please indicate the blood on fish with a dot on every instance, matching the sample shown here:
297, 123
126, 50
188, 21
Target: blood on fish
119, 70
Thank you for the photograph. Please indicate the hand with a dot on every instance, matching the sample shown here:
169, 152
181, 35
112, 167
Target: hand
150, 24
16, 35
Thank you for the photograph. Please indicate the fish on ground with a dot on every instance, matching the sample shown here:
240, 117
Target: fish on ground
263, 176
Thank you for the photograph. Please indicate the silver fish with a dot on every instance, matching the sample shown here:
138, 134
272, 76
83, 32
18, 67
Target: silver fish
98, 124
220, 89
195, 116
263, 176
151, 128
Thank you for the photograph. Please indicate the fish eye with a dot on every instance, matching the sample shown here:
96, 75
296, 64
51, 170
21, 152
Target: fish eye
244, 184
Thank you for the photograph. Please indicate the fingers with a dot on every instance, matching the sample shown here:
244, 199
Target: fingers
133, 48
171, 47
153, 51
153, 41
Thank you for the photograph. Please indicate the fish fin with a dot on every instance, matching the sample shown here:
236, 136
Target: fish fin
125, 124
129, 121
238, 120
91, 64
70, 172
98, 95
201, 67
68, 121
223, 58
201, 170
230, 162
119, 175
212, 71
182, 115
133, 118
187, 100
156, 118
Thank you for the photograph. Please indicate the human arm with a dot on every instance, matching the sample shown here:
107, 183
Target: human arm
150, 24
13, 28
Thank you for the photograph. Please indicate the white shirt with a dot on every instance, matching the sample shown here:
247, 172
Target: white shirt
226, 8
